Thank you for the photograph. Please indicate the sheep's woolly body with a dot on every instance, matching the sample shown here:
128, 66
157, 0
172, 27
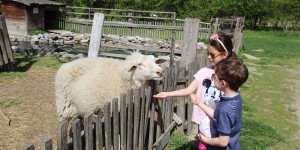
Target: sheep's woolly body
86, 83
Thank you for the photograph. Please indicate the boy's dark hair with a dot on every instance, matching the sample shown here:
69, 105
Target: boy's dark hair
226, 40
233, 71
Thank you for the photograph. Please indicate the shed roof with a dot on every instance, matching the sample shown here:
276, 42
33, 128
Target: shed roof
35, 2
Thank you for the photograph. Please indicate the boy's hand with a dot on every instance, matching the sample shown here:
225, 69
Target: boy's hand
194, 99
161, 95
203, 138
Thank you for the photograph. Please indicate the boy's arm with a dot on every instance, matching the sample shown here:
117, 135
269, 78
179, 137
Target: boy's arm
182, 92
195, 100
220, 141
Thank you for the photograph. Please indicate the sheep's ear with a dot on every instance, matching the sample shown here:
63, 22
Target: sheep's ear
160, 61
132, 68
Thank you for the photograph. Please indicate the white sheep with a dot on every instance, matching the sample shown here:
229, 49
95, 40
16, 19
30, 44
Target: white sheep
85, 83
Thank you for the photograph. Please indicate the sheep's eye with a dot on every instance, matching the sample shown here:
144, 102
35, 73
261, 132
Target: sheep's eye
140, 64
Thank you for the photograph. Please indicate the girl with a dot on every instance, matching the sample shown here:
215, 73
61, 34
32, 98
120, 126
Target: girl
219, 47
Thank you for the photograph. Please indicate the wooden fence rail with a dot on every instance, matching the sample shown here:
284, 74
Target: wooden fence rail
151, 24
144, 24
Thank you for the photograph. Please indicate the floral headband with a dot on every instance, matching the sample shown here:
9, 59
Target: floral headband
216, 38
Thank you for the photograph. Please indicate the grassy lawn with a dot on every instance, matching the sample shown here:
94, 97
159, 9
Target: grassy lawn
269, 119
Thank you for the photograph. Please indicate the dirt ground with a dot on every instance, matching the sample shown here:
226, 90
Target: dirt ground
35, 118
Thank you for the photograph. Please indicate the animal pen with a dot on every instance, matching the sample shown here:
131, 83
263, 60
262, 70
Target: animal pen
137, 120
142, 122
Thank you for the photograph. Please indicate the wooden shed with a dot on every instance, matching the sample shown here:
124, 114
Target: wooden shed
23, 16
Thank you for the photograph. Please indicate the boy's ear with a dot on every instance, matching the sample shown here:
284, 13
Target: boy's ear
224, 83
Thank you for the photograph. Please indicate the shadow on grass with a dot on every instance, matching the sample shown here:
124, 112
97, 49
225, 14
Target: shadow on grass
181, 142
20, 64
23, 64
191, 145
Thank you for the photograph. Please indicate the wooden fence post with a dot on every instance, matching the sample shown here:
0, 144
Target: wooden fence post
96, 35
62, 136
46, 144
130, 13
190, 39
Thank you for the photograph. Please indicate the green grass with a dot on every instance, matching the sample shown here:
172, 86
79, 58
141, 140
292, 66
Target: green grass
179, 142
36, 61
269, 121
37, 31
9, 102
24, 62
12, 75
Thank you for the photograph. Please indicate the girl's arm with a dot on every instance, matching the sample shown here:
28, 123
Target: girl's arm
195, 100
182, 92
221, 141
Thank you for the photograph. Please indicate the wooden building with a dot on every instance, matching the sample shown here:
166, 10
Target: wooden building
23, 16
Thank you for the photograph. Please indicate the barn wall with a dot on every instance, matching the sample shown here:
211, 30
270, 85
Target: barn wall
35, 20
16, 18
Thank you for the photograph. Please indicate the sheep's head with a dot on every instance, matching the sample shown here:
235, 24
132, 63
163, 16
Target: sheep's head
143, 67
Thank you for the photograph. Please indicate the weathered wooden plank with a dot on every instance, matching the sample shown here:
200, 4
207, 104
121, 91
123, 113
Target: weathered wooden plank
141, 47
181, 101
62, 136
28, 147
151, 129
163, 140
3, 48
46, 144
190, 105
161, 109
1, 58
123, 121
130, 120
142, 118
76, 129
136, 117
107, 125
116, 124
105, 54
88, 130
148, 94
190, 39
6, 40
96, 37
99, 133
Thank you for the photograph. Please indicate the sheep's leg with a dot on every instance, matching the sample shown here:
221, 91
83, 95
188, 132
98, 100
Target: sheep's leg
7, 119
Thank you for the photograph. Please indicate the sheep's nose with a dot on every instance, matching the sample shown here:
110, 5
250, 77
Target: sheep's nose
159, 71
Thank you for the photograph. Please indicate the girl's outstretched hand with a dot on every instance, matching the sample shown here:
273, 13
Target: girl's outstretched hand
161, 95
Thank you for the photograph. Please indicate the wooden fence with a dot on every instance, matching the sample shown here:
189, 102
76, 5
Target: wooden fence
136, 120
151, 24
233, 27
145, 24
6, 56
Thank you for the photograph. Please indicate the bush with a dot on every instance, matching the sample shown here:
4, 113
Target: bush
37, 31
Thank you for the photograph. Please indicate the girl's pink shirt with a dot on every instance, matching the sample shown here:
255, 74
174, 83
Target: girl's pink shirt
204, 73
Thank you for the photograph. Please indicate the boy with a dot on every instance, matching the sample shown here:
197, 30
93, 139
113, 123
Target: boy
229, 75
